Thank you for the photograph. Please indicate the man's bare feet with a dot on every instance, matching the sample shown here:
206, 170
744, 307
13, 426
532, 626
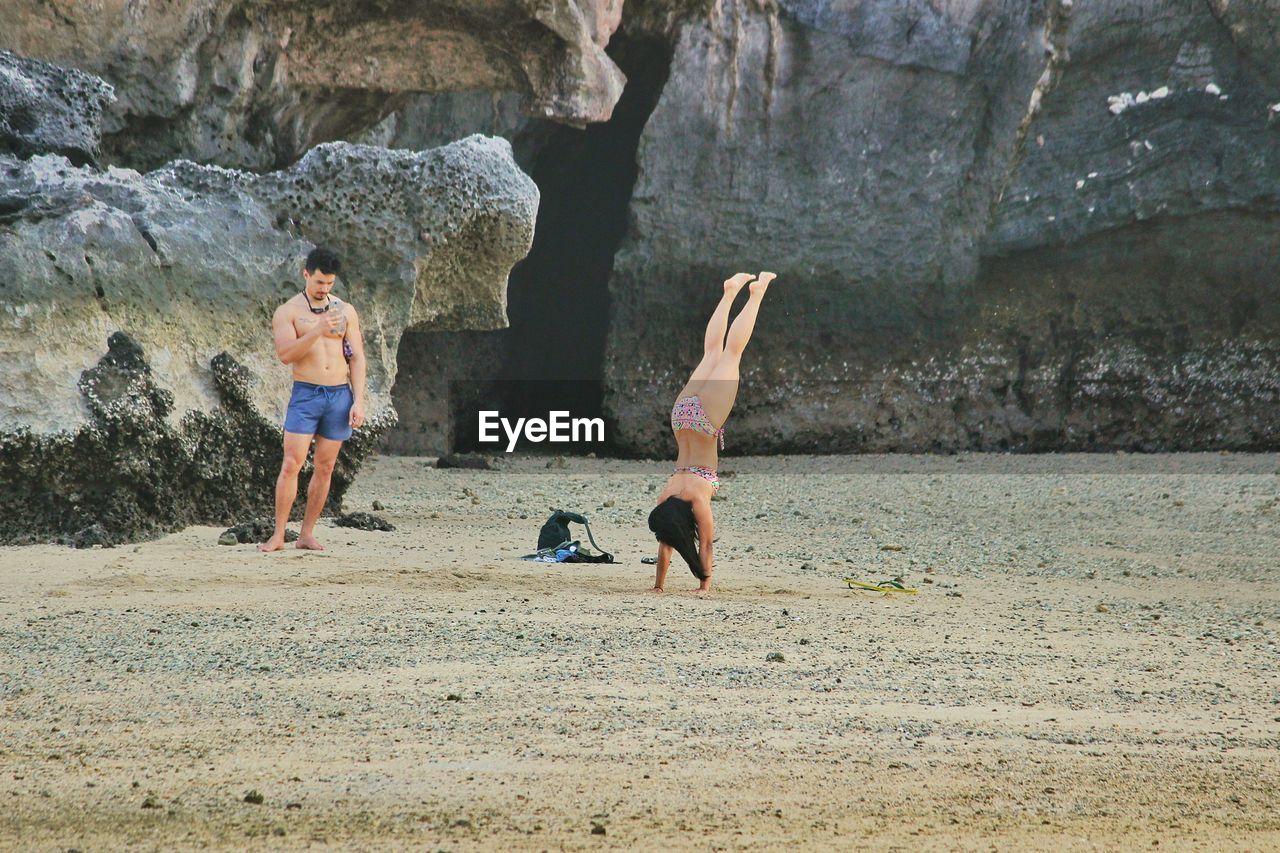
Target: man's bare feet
761, 284
701, 592
733, 285
275, 543
657, 590
308, 543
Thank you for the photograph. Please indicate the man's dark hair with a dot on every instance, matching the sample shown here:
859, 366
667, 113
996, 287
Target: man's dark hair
324, 261
673, 523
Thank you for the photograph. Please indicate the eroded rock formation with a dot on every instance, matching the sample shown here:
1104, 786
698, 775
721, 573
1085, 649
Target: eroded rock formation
181, 269
256, 83
191, 260
44, 108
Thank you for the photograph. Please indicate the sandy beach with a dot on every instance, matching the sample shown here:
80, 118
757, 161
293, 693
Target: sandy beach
1090, 663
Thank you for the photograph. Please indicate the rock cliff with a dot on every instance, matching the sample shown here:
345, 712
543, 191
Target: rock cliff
996, 225
256, 83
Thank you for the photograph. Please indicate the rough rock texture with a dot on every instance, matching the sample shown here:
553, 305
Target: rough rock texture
192, 260
364, 521
254, 531
178, 271
131, 473
255, 83
1203, 143
976, 249
44, 108
1254, 27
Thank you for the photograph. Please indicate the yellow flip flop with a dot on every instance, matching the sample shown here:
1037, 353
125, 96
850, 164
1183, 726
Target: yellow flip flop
883, 586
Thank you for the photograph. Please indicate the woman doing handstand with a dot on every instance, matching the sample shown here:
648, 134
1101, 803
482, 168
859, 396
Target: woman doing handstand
682, 520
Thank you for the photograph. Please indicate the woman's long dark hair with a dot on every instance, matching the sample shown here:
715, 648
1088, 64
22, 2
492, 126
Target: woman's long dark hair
673, 523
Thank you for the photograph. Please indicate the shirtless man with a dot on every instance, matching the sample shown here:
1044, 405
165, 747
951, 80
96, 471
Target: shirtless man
328, 390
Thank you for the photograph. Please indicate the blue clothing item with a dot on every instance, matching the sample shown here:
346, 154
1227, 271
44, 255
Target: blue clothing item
323, 410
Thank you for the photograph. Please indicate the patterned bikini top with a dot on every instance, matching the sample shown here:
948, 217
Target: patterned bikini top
687, 413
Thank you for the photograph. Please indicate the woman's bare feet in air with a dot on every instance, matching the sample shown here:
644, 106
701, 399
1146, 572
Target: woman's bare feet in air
733, 285
275, 543
761, 284
308, 542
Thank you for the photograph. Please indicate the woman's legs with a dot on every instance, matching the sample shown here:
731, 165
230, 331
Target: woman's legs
713, 341
721, 386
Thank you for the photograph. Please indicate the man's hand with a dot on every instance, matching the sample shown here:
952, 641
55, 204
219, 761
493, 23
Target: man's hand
357, 415
333, 323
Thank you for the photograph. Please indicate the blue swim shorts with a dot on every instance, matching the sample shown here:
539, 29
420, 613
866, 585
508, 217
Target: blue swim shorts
323, 410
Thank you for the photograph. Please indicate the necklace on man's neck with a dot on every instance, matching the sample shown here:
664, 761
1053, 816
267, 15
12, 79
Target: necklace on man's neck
322, 308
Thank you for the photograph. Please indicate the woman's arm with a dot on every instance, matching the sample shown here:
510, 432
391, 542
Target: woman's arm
664, 563
706, 537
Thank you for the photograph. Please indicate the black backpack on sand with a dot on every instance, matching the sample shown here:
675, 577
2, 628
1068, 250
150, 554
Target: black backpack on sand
555, 533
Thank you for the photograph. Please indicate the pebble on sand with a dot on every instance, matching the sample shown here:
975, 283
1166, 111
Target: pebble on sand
363, 521
254, 530
466, 461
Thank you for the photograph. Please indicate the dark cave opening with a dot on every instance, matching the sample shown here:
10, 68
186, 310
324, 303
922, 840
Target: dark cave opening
558, 296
